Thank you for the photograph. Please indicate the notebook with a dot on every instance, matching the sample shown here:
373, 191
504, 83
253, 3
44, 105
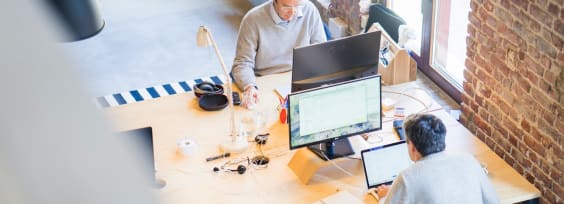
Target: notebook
383, 163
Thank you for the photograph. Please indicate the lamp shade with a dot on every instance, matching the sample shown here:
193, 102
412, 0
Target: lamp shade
203, 37
80, 17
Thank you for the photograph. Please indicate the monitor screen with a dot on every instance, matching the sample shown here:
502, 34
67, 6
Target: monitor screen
326, 114
335, 61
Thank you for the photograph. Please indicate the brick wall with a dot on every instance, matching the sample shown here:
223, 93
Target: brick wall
514, 87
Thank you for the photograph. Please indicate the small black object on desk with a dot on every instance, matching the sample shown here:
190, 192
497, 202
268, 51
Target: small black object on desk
213, 102
227, 154
398, 128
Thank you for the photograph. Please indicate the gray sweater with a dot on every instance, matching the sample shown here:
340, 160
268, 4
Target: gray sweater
443, 178
265, 42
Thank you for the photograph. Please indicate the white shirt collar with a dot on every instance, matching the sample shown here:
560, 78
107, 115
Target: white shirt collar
299, 13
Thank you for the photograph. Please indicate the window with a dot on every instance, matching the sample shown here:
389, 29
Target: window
441, 27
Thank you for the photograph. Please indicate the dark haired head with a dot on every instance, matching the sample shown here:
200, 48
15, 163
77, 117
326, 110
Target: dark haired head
426, 132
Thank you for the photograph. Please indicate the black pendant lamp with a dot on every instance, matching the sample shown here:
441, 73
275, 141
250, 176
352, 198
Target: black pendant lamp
81, 17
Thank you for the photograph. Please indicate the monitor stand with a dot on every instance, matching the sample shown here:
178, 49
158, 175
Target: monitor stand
333, 149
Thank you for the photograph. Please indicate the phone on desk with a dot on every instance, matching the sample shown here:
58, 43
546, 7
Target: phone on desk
236, 98
398, 128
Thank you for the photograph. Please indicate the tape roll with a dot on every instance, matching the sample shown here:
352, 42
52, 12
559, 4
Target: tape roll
187, 146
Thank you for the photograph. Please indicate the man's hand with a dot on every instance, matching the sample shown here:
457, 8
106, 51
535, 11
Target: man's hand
382, 190
250, 97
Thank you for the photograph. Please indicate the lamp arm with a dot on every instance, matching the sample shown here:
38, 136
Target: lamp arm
229, 87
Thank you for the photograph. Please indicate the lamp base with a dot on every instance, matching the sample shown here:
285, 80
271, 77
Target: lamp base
238, 145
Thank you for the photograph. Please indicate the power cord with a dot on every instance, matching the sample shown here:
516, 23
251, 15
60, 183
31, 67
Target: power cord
336, 165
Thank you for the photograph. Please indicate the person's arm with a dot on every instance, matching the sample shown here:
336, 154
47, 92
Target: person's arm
244, 62
317, 30
398, 192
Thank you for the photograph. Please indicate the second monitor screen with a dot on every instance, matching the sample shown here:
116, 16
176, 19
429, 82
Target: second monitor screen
333, 112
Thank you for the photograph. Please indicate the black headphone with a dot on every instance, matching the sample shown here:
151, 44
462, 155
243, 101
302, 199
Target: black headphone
262, 138
206, 87
241, 169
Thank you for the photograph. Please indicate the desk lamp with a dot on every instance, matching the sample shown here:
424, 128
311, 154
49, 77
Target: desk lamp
237, 144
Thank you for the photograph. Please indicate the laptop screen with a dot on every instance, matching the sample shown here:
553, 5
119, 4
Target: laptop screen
383, 163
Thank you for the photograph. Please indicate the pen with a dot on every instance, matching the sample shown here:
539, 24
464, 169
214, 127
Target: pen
218, 156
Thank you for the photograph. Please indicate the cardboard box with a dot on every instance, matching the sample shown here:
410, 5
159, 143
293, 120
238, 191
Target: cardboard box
401, 67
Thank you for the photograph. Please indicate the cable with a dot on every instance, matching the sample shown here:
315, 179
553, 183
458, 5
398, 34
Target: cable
426, 107
336, 165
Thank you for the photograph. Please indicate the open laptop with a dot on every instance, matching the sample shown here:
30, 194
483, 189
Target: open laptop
143, 140
383, 163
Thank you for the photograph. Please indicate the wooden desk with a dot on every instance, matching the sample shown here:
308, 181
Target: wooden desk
191, 179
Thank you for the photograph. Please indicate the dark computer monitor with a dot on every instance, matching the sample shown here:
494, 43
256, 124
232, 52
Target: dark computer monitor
142, 138
323, 118
335, 61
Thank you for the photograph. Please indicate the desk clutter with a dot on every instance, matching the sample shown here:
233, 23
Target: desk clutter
154, 92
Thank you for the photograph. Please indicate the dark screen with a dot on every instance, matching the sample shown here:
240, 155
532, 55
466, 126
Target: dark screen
335, 61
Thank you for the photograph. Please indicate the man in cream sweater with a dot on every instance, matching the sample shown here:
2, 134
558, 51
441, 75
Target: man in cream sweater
436, 177
267, 36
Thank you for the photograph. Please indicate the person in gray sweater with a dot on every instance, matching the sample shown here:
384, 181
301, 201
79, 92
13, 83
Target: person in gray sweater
436, 176
267, 36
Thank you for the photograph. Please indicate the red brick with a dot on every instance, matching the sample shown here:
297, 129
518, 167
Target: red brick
553, 9
534, 25
474, 106
524, 4
542, 175
482, 125
558, 189
516, 90
484, 77
541, 3
533, 157
541, 15
533, 66
509, 160
525, 125
513, 140
485, 91
546, 47
556, 40
532, 77
503, 143
479, 100
495, 112
555, 174
530, 177
513, 129
518, 168
534, 145
559, 27
547, 197
470, 66
548, 129
474, 20
545, 61
468, 89
540, 97
488, 140
488, 31
549, 117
